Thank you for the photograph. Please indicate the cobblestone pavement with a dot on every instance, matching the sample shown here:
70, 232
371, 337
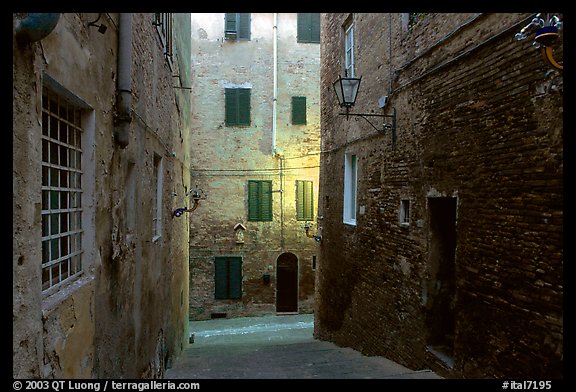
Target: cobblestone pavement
276, 347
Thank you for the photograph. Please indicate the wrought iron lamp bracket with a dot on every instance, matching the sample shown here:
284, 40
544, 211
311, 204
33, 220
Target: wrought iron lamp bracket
366, 116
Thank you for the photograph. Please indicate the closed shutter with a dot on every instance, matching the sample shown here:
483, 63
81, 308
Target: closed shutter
298, 110
244, 26
236, 106
243, 106
259, 200
230, 107
304, 200
308, 27
228, 277
303, 30
221, 278
235, 277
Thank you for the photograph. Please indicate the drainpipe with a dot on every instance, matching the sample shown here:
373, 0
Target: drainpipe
275, 71
123, 116
35, 26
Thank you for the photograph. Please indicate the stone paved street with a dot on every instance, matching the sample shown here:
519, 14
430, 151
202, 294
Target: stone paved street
276, 347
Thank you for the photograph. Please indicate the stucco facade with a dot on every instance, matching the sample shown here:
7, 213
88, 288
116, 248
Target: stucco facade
123, 313
455, 259
269, 148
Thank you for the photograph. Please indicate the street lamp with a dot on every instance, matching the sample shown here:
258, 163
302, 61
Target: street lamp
346, 90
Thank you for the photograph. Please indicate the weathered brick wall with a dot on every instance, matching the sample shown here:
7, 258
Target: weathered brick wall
486, 129
224, 159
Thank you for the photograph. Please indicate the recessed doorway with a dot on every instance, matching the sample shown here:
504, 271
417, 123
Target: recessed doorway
441, 287
287, 283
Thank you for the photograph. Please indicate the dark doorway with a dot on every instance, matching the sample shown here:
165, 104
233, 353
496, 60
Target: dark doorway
287, 283
441, 287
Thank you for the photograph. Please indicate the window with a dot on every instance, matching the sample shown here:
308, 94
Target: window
228, 278
61, 190
350, 186
237, 106
349, 51
404, 212
237, 26
299, 110
309, 28
157, 178
304, 200
259, 200
163, 23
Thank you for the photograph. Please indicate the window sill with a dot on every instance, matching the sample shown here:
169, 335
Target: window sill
156, 238
404, 224
52, 299
350, 223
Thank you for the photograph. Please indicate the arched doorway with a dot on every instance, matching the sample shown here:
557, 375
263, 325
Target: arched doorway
287, 283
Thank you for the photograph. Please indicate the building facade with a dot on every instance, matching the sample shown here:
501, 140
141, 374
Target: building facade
256, 128
442, 238
100, 160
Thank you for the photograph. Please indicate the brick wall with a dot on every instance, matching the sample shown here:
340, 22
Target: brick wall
225, 158
485, 129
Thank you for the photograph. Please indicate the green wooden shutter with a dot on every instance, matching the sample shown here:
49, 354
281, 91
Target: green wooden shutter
259, 200
237, 106
228, 277
304, 200
315, 28
308, 27
298, 110
220, 278
230, 25
230, 106
235, 277
266, 201
253, 201
243, 106
244, 26
303, 30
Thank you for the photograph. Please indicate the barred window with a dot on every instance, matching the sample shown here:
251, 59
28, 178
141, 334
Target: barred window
61, 190
163, 23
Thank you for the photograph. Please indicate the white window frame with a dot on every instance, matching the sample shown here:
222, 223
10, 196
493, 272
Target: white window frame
158, 180
350, 189
349, 50
404, 212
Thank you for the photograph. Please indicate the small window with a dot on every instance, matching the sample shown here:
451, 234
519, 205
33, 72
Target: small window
237, 106
163, 23
349, 50
304, 200
228, 278
299, 110
313, 263
237, 26
404, 212
309, 28
259, 200
350, 189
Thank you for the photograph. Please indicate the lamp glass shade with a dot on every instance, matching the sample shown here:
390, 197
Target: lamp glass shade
346, 90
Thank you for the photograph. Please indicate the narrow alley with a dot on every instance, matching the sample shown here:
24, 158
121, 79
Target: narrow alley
276, 347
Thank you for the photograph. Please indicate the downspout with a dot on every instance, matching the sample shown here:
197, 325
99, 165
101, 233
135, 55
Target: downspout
275, 73
123, 115
35, 26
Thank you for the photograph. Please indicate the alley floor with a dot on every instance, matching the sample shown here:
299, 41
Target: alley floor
276, 347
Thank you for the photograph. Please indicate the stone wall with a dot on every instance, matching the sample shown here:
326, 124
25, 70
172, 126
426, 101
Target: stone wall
479, 122
126, 315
